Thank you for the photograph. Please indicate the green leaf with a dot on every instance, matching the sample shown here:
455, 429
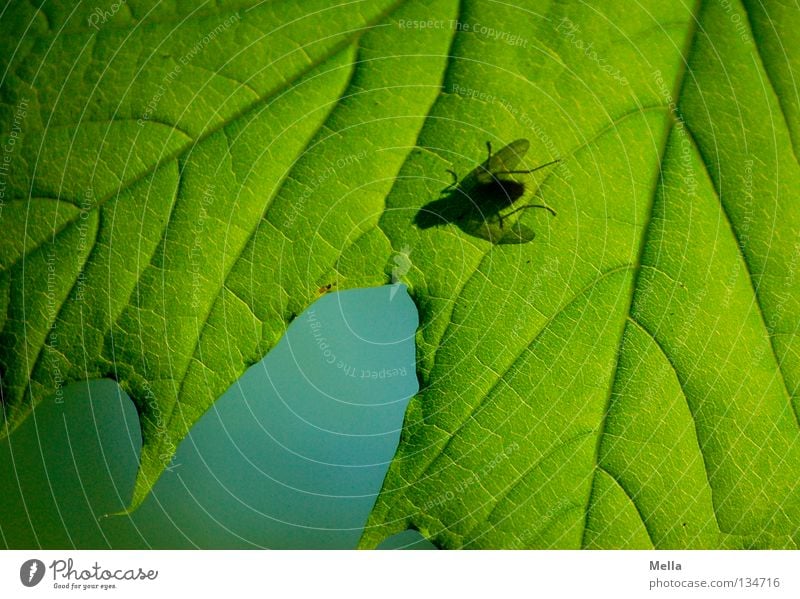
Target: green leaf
626, 378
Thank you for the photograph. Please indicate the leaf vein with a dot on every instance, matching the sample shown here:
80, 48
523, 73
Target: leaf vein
630, 498
674, 368
748, 269
501, 378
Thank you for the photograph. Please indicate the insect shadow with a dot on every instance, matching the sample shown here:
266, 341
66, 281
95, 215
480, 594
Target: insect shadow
483, 203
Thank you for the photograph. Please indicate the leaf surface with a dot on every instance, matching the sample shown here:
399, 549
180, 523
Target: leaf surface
186, 179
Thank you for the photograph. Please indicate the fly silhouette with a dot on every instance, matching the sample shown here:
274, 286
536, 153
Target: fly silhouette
483, 203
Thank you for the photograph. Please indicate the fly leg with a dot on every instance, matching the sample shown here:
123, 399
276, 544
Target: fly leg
455, 180
541, 166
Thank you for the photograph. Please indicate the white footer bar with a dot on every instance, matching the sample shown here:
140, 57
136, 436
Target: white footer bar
401, 574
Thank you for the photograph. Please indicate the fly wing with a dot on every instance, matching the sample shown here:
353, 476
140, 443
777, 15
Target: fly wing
505, 159
491, 230
517, 233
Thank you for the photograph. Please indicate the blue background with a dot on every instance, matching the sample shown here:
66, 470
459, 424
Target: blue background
291, 456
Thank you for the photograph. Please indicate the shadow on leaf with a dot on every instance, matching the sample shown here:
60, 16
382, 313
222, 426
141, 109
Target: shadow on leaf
484, 210
482, 203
